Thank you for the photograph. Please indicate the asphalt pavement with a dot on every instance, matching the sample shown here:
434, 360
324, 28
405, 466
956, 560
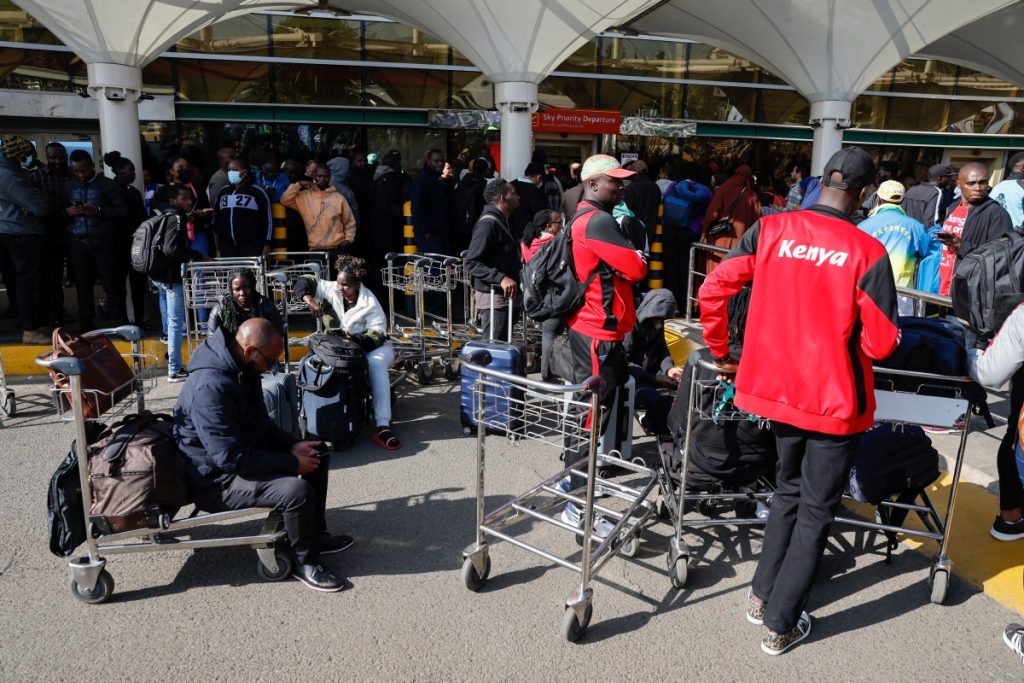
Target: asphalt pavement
206, 616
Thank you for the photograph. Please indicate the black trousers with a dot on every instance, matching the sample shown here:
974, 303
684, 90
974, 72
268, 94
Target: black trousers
25, 252
811, 475
300, 500
1011, 492
550, 330
229, 249
676, 243
606, 359
137, 282
51, 281
98, 257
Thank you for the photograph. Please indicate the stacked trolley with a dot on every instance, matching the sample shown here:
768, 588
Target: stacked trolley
293, 265
206, 282
903, 397
423, 338
90, 581
555, 415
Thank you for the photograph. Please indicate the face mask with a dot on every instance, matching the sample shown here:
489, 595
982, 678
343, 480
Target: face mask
234, 177
185, 175
26, 162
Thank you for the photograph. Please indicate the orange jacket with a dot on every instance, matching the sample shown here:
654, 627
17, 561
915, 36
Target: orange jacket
328, 217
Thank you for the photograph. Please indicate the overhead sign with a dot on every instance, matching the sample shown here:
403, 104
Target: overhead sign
591, 121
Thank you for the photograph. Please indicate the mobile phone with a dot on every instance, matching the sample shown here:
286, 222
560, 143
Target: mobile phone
322, 449
945, 236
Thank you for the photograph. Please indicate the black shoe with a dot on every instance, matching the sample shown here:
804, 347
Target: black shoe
334, 543
318, 578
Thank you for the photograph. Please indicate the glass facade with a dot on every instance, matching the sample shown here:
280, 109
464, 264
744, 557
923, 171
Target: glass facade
375, 65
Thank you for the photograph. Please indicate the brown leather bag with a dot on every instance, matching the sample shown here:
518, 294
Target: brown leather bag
107, 378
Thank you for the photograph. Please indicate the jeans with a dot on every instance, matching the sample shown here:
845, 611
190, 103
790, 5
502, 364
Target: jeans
25, 252
381, 359
812, 472
1011, 490
172, 316
203, 244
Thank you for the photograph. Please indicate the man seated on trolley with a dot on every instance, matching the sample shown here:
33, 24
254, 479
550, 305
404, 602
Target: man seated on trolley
350, 310
239, 458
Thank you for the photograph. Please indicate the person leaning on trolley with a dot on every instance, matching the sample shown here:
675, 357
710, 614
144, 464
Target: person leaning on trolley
823, 304
238, 458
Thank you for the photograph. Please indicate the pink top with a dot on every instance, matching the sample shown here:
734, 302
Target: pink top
529, 251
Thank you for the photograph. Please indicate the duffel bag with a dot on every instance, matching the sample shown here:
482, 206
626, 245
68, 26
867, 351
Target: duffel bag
339, 352
137, 475
892, 461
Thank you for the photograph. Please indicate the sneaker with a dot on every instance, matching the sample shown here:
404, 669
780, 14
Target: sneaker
203, 329
777, 643
334, 543
565, 484
318, 578
1007, 531
755, 608
1013, 636
762, 510
34, 337
179, 376
163, 338
573, 516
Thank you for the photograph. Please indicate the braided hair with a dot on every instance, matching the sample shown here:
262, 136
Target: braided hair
230, 313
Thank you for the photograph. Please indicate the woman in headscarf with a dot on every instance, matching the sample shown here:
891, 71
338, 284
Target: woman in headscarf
241, 303
736, 200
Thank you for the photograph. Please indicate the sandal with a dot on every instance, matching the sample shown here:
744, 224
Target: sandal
386, 438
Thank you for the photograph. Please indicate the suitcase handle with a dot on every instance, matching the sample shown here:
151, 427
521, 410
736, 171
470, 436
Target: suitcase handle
511, 311
481, 357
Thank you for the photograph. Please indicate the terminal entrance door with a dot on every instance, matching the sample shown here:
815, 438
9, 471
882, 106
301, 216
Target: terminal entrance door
994, 159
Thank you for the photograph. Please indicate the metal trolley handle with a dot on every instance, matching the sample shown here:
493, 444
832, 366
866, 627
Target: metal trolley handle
127, 332
68, 365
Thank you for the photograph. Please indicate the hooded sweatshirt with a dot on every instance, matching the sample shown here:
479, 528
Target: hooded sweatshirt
328, 217
645, 345
339, 178
221, 424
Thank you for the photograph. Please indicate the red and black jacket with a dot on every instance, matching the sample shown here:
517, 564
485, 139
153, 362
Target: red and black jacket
609, 309
823, 304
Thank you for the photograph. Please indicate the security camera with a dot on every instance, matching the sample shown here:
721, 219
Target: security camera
520, 108
115, 95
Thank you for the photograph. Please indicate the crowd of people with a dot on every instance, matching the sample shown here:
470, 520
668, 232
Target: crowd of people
879, 229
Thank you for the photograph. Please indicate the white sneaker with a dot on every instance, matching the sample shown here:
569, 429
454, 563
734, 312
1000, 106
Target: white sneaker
1013, 636
573, 516
762, 510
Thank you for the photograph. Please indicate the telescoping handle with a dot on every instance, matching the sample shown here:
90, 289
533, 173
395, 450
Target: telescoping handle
511, 309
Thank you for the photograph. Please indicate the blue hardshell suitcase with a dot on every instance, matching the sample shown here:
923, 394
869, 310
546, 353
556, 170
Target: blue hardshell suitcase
500, 413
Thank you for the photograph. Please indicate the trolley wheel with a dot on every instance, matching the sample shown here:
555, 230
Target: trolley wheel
99, 594
467, 431
572, 629
661, 509
451, 373
284, 568
631, 548
706, 507
472, 580
9, 405
424, 373
679, 571
939, 581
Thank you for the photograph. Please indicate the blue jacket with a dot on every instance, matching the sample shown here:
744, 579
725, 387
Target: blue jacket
221, 424
20, 203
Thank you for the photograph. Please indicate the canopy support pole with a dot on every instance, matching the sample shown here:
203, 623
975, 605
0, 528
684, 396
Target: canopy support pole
517, 101
829, 118
117, 89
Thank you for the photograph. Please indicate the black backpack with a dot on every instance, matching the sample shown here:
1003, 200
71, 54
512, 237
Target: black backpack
988, 283
65, 517
339, 353
550, 286
156, 243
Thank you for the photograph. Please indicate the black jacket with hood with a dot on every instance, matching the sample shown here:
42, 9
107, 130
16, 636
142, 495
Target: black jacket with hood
221, 424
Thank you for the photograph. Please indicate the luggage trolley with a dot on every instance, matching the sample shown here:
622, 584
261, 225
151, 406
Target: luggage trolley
295, 264
554, 415
8, 405
902, 397
90, 581
206, 282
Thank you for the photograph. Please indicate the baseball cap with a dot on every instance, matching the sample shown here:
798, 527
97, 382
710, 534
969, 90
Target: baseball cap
604, 164
940, 171
891, 191
854, 164
371, 158
15, 147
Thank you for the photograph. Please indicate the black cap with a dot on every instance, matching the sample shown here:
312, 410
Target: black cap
854, 164
393, 155
940, 171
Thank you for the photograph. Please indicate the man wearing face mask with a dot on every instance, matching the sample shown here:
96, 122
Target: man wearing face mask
806, 370
330, 223
242, 218
237, 457
22, 232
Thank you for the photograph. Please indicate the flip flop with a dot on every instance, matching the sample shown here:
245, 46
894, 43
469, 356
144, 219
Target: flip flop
387, 439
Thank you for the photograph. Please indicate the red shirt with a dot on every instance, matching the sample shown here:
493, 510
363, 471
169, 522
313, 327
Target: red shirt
954, 224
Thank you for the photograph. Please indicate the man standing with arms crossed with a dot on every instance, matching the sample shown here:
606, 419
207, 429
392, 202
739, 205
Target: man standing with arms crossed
823, 305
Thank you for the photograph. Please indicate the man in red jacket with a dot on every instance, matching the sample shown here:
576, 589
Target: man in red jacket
597, 329
823, 304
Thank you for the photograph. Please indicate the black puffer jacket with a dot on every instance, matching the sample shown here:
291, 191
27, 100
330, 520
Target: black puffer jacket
20, 203
985, 222
493, 253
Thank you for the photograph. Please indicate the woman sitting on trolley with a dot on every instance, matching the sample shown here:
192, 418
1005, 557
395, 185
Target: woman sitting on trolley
349, 309
241, 303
